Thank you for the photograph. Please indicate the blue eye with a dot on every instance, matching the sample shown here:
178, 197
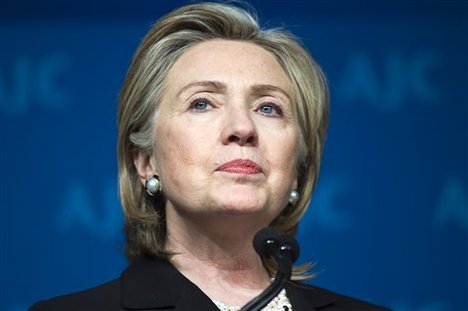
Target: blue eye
266, 109
200, 104
270, 109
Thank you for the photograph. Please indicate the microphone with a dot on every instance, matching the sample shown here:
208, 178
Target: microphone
266, 242
284, 249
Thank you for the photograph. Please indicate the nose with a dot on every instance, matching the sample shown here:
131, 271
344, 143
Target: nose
239, 127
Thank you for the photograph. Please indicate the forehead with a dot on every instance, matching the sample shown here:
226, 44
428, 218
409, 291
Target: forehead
232, 62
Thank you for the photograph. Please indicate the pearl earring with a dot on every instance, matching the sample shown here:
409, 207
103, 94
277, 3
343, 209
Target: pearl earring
293, 197
153, 185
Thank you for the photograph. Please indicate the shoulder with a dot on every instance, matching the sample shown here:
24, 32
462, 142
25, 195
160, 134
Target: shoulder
304, 296
102, 297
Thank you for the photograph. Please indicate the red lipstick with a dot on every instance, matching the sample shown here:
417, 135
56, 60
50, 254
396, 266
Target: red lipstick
240, 166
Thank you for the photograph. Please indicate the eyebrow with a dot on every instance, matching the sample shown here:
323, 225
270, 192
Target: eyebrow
262, 88
214, 85
218, 86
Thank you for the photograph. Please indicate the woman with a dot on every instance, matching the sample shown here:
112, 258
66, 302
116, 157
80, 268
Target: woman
221, 130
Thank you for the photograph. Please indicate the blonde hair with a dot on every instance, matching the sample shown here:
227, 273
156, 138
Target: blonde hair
144, 87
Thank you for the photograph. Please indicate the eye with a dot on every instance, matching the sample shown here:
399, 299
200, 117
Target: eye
270, 109
201, 104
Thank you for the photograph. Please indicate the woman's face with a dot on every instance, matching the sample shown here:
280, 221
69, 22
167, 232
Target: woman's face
226, 136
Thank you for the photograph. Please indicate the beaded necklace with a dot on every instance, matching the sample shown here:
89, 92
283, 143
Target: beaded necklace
279, 303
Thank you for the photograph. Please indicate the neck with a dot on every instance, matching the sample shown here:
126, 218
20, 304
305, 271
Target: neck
218, 257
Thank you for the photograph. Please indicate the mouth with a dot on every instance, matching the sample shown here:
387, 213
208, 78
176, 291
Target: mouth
240, 166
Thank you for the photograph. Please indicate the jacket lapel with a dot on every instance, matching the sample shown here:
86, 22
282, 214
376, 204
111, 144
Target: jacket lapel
308, 298
150, 283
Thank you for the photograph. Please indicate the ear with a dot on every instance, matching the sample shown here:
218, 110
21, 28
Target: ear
144, 166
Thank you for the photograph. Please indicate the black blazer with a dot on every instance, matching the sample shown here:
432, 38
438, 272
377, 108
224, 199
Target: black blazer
154, 284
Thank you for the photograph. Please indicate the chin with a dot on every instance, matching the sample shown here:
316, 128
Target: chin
242, 207
246, 202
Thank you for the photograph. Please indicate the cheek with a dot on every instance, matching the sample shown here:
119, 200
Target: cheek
169, 148
283, 156
178, 154
284, 150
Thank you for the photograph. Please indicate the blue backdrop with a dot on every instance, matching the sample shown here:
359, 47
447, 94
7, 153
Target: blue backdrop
389, 221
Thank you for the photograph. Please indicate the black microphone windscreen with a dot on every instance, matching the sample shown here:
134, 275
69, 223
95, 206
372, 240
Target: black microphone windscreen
292, 244
266, 242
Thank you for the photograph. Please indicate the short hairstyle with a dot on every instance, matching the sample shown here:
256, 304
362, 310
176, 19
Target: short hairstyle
144, 88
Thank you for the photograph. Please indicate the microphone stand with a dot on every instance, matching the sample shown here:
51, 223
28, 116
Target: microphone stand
282, 276
284, 257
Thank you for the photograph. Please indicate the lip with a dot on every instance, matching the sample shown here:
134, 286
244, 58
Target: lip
240, 166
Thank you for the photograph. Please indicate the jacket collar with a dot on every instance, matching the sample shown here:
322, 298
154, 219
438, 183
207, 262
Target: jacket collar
305, 297
154, 283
